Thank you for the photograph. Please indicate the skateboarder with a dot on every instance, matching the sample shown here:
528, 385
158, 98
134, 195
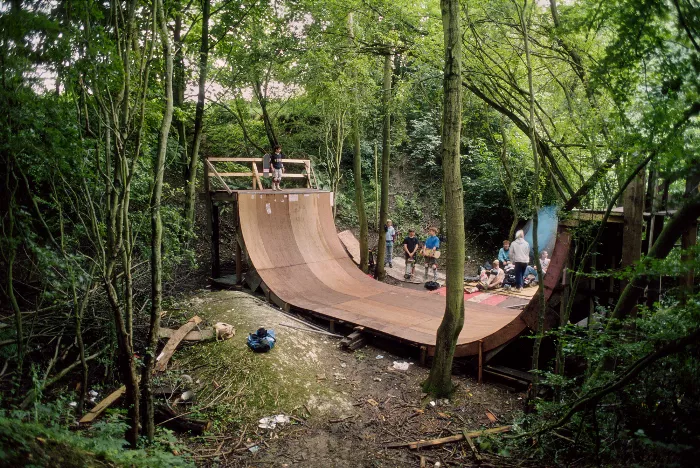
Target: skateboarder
431, 252
410, 247
277, 167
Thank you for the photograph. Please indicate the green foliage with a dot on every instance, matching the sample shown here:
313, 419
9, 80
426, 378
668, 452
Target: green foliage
47, 442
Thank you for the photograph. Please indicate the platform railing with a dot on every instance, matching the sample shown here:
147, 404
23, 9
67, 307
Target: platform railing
210, 171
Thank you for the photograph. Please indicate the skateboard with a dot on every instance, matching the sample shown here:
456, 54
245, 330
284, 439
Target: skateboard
410, 265
430, 253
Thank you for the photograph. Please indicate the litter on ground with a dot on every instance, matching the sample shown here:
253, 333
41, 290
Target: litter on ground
271, 422
401, 365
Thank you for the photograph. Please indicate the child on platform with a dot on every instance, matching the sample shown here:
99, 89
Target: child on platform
389, 236
277, 167
410, 247
432, 244
503, 255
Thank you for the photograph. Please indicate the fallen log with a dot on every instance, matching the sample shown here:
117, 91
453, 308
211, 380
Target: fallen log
446, 440
175, 339
167, 417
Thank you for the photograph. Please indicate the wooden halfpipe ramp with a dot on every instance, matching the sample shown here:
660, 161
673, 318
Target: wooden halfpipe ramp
292, 242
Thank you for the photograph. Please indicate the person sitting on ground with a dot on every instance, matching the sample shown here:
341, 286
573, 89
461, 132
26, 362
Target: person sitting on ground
544, 261
504, 255
432, 244
277, 167
520, 256
493, 278
410, 247
389, 236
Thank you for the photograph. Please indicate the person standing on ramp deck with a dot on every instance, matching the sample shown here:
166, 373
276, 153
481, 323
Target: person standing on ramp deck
431, 252
277, 167
520, 256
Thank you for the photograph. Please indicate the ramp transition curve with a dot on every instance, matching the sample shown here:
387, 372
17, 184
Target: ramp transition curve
292, 242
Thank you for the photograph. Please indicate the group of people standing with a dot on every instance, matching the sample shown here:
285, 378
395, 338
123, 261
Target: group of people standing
513, 257
410, 246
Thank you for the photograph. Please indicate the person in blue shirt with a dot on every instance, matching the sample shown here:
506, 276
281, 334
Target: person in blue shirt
432, 244
504, 255
389, 237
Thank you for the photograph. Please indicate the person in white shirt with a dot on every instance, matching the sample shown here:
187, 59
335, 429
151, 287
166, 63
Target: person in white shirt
389, 237
491, 279
520, 256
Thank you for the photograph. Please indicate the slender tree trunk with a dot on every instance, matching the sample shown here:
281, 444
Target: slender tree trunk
376, 186
157, 232
509, 181
267, 121
357, 166
190, 193
386, 149
535, 204
19, 330
179, 95
439, 381
360, 198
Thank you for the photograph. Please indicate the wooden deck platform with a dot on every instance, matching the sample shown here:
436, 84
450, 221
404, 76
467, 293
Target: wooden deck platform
292, 242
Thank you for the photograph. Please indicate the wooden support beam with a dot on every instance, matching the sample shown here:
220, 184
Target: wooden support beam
481, 361
216, 174
332, 326
633, 203
257, 176
690, 237
215, 237
423, 355
239, 261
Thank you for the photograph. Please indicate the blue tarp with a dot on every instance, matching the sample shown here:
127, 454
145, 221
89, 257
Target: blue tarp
547, 223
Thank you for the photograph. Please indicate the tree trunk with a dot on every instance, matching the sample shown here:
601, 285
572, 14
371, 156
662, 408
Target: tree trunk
360, 198
157, 232
535, 206
179, 95
357, 167
439, 381
19, 330
190, 193
267, 121
386, 148
376, 187
509, 180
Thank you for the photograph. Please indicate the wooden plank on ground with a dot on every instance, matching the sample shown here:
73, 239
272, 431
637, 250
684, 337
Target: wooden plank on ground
194, 335
171, 345
103, 405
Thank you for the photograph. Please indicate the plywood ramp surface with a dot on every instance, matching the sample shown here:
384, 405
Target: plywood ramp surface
292, 241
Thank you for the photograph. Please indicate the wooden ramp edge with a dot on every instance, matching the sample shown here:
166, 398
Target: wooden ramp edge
293, 245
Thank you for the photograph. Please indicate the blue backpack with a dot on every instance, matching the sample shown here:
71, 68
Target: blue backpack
262, 340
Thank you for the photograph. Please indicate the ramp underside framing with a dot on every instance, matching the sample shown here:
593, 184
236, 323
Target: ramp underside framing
292, 242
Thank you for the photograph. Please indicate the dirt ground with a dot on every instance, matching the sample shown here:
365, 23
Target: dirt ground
344, 408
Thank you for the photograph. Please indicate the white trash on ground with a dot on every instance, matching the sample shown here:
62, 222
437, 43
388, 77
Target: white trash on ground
379, 356
401, 365
270, 422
